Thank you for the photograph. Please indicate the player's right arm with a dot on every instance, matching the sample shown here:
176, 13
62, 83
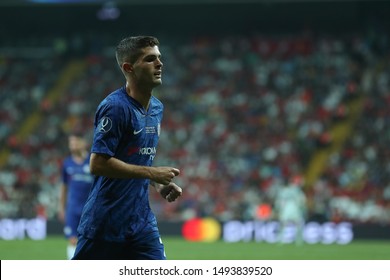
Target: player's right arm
104, 165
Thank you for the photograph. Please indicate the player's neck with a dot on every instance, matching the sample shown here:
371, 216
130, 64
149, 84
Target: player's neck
142, 95
79, 156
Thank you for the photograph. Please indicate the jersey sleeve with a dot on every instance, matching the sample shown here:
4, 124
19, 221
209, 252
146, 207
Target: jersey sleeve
109, 123
64, 174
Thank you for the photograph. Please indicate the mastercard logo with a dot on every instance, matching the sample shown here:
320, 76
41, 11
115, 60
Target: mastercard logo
206, 229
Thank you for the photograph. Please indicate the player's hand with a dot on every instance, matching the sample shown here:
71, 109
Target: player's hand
170, 192
164, 175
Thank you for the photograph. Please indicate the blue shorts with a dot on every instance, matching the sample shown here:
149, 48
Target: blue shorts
72, 221
143, 249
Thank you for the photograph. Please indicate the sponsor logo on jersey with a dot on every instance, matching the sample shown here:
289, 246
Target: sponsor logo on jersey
147, 151
144, 151
135, 132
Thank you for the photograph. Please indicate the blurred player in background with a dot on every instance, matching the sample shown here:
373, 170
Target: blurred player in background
76, 184
291, 209
117, 221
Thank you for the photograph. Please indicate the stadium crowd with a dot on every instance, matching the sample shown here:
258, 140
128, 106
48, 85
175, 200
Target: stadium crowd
243, 115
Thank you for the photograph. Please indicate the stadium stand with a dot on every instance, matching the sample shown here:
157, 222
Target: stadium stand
244, 113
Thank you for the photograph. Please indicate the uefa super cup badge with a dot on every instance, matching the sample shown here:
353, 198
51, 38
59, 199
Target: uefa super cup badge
105, 124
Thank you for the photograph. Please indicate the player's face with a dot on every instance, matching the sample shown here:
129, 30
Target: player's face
148, 67
76, 144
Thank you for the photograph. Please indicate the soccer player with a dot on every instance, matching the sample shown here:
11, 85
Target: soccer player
76, 184
117, 221
290, 205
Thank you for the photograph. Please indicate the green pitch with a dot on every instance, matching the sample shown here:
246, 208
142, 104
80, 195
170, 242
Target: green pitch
54, 248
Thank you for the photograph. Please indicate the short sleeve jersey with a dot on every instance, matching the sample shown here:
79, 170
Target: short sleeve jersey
118, 209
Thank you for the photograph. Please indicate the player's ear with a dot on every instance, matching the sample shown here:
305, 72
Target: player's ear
127, 67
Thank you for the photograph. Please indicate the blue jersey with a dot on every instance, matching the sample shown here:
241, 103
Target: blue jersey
78, 180
118, 209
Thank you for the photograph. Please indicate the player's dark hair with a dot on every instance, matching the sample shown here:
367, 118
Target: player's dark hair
77, 133
130, 49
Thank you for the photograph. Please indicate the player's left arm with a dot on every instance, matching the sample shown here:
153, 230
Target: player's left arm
169, 192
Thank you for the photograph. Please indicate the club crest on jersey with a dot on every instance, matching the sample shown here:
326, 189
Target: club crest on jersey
105, 125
